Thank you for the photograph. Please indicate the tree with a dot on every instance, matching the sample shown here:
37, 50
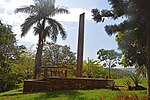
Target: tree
93, 69
41, 14
23, 65
109, 58
7, 41
7, 53
61, 56
137, 23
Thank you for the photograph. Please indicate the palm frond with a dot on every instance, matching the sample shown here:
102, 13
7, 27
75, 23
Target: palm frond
54, 32
37, 29
27, 9
56, 28
25, 27
62, 31
59, 10
47, 31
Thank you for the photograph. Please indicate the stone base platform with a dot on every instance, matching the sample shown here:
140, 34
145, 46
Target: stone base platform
64, 84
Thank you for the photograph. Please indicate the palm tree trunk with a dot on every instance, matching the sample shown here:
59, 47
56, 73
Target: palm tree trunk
38, 58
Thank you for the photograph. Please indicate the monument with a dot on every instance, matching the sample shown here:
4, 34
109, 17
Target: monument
80, 46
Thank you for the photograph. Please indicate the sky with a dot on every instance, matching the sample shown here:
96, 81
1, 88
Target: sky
95, 36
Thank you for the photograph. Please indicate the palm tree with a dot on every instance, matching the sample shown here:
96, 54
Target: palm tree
40, 14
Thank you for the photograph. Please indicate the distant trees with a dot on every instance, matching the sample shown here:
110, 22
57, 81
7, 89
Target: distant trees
93, 69
41, 14
109, 58
59, 55
119, 73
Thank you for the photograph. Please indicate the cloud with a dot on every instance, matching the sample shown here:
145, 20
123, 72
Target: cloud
8, 16
74, 15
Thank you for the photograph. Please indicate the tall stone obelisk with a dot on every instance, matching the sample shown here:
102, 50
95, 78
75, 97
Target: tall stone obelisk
80, 46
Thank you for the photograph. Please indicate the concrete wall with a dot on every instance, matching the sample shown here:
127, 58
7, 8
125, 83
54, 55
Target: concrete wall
64, 84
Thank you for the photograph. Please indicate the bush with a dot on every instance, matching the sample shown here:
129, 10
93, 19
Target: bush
8, 82
8, 79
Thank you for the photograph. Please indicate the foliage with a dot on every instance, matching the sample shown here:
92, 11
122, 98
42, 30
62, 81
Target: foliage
7, 78
23, 66
133, 33
109, 57
93, 69
13, 60
7, 41
117, 73
7, 53
41, 14
136, 78
59, 55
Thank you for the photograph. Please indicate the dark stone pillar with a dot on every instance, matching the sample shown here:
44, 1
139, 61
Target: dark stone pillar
80, 46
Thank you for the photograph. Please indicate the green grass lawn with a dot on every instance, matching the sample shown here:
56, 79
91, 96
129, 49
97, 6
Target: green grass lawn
119, 82
98, 94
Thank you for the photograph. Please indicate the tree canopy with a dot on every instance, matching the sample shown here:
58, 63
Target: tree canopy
59, 55
133, 34
109, 58
7, 53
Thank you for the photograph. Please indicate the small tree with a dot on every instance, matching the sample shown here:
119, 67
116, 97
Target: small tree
109, 58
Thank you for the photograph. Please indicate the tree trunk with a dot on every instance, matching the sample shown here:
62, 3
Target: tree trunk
109, 70
148, 65
38, 58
